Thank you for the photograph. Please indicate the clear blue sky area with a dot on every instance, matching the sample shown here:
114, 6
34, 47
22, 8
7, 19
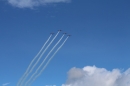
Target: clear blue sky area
100, 32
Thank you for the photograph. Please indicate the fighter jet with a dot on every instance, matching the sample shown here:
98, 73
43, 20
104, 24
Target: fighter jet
59, 30
64, 33
52, 33
68, 35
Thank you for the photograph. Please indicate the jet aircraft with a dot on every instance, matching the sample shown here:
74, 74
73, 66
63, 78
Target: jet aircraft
68, 35
52, 33
59, 30
64, 33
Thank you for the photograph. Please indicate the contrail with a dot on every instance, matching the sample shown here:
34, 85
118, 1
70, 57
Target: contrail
44, 60
39, 58
49, 61
33, 60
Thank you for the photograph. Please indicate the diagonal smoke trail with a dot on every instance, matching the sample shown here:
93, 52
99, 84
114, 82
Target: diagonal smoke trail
43, 61
49, 61
33, 60
39, 59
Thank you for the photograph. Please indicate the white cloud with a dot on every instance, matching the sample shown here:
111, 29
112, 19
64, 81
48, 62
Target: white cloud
33, 3
93, 76
5, 84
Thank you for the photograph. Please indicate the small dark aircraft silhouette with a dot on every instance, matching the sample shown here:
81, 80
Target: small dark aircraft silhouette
64, 33
52, 33
68, 35
59, 30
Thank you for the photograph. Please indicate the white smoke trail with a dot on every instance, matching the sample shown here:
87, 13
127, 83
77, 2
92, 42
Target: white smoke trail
39, 59
49, 61
43, 61
33, 60
5, 84
33, 3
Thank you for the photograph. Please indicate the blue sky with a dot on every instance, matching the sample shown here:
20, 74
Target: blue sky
100, 36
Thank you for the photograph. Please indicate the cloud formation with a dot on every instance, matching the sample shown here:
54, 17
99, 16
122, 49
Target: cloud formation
33, 3
93, 76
